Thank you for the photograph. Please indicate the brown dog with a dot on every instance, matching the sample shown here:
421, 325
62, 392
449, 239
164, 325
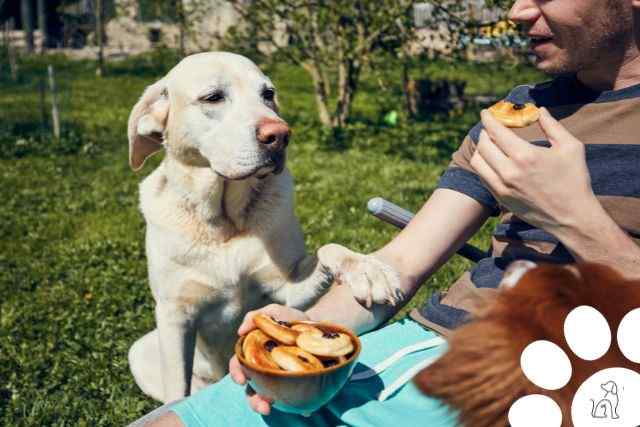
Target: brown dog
480, 375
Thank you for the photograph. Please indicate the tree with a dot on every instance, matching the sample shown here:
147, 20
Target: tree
42, 24
99, 18
327, 38
334, 41
27, 23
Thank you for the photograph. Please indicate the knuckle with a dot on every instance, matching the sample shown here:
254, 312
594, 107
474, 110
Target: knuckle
271, 309
501, 191
523, 159
510, 176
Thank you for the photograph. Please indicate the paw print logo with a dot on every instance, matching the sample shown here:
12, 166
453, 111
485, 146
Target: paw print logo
610, 397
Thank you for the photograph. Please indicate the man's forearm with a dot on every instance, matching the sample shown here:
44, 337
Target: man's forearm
339, 306
445, 222
597, 238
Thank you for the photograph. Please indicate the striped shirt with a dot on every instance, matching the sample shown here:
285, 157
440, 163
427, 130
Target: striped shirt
606, 122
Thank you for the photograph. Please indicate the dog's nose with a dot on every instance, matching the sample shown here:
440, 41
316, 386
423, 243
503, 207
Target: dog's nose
272, 133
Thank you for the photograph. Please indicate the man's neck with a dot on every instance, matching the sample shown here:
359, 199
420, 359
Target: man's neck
614, 74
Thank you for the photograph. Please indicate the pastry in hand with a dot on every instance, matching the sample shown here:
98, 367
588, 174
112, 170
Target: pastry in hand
515, 115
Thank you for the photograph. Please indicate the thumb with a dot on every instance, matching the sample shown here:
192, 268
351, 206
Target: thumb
557, 135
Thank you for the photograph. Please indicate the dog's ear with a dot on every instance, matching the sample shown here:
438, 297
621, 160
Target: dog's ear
610, 387
147, 123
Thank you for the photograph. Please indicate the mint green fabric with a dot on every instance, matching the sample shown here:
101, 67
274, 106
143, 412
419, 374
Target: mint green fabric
223, 404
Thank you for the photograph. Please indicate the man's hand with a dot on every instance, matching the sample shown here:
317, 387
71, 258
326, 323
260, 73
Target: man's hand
549, 188
259, 403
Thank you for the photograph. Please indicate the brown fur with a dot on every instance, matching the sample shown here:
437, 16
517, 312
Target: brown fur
480, 375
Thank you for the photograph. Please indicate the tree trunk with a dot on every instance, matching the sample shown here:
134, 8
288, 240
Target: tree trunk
321, 95
55, 112
27, 23
42, 25
409, 89
11, 51
348, 77
43, 109
182, 23
99, 36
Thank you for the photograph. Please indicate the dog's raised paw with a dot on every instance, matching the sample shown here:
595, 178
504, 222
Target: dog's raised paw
608, 397
371, 280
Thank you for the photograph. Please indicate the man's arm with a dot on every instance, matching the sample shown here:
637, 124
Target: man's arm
445, 222
595, 237
550, 188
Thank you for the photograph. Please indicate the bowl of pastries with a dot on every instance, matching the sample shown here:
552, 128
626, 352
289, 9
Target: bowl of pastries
300, 365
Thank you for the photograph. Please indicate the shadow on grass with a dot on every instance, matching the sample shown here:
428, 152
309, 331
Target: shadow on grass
27, 138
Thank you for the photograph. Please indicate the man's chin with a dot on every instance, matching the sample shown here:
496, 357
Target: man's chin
553, 68
553, 64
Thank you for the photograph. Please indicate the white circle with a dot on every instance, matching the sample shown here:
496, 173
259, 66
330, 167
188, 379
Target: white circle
535, 410
629, 335
587, 332
546, 365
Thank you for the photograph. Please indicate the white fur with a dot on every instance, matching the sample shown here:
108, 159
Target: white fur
514, 273
219, 240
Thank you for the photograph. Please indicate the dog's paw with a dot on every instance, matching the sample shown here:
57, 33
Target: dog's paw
371, 280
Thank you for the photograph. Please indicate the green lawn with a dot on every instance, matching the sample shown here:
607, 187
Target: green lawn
73, 287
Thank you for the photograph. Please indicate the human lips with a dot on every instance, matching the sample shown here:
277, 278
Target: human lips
539, 39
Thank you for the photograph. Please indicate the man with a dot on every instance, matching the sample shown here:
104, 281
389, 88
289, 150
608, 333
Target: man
573, 194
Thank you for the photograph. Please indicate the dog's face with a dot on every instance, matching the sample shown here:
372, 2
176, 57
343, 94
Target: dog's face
214, 110
480, 374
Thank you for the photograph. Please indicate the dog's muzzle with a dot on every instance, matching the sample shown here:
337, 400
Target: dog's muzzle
278, 160
274, 165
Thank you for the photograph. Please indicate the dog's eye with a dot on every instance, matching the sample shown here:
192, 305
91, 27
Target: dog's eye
217, 96
268, 94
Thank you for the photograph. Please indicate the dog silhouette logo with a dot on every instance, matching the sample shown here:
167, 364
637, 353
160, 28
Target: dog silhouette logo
607, 407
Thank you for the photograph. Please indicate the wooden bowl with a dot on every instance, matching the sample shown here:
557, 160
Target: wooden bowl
302, 392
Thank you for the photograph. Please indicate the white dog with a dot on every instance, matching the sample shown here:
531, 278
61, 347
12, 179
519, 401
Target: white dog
222, 237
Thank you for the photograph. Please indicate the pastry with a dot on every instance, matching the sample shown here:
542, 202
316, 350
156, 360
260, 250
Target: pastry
332, 344
515, 115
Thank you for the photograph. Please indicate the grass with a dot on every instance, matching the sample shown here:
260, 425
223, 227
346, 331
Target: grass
73, 287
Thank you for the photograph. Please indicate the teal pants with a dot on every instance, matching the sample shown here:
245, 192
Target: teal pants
357, 404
